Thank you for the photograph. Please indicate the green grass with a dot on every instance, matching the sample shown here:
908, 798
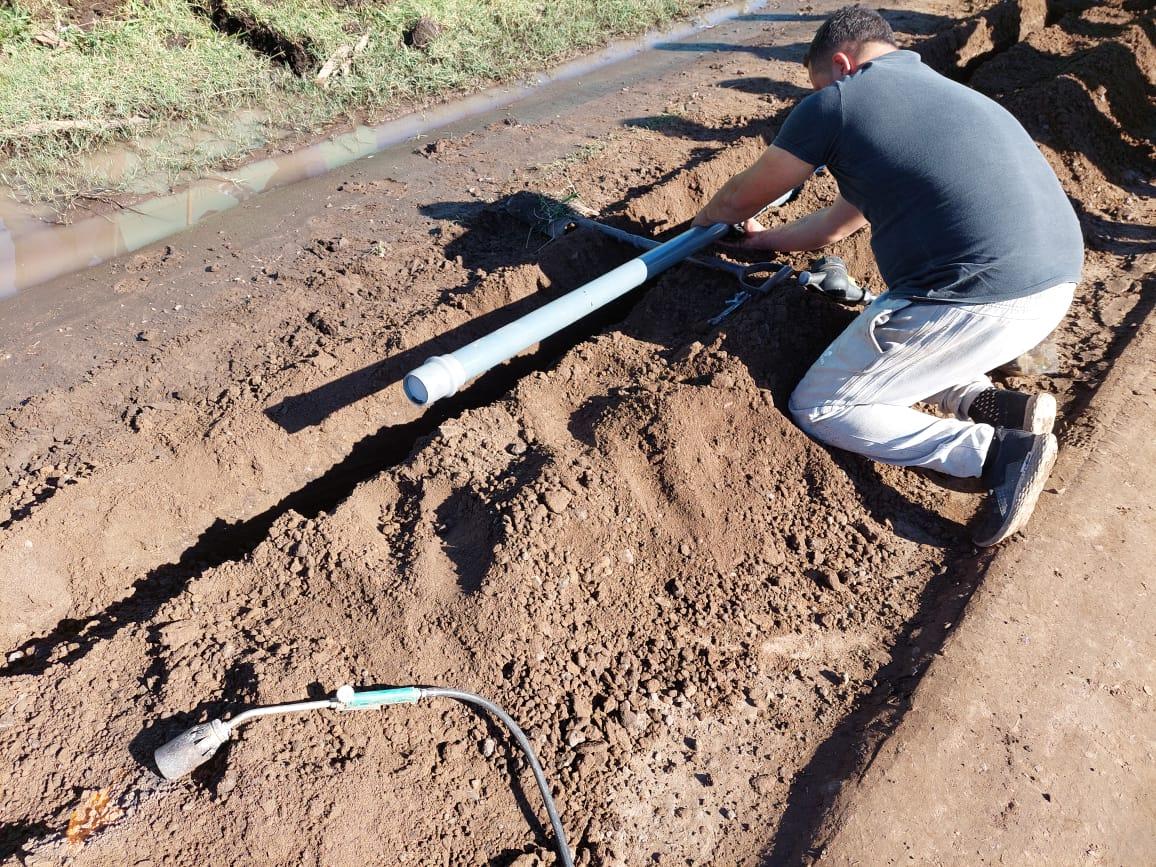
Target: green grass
127, 77
482, 40
160, 68
15, 24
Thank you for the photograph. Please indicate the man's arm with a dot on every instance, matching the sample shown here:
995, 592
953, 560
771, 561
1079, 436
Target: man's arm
823, 227
776, 172
748, 192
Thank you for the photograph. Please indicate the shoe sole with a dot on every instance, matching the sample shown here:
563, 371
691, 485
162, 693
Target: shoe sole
1040, 416
1037, 468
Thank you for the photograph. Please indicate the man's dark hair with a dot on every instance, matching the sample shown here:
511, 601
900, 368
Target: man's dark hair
849, 24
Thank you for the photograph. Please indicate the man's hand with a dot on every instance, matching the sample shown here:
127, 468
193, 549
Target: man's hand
812, 232
756, 237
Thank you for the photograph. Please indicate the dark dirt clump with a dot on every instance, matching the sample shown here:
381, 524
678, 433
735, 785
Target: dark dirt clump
301, 56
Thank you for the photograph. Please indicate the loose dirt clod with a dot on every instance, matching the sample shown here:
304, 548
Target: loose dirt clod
423, 33
94, 812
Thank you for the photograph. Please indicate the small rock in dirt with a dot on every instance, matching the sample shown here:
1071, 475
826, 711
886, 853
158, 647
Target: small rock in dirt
178, 633
557, 500
488, 747
142, 420
227, 784
321, 323
582, 705
830, 580
763, 784
147, 336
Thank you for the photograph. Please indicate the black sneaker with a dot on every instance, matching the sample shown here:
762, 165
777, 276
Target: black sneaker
1015, 471
1002, 407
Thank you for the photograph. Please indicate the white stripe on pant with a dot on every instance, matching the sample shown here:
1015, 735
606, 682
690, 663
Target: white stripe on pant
859, 395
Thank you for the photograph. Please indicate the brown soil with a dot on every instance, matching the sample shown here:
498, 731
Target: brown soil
83, 13
704, 620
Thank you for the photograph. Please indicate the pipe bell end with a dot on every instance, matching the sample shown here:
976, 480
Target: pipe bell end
439, 377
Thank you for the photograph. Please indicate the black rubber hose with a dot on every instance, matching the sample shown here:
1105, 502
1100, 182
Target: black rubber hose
524, 743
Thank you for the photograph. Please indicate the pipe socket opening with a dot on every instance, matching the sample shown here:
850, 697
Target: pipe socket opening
415, 389
439, 377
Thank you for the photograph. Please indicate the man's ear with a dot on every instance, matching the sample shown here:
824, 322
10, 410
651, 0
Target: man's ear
843, 62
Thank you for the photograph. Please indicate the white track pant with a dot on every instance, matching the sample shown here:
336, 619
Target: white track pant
859, 395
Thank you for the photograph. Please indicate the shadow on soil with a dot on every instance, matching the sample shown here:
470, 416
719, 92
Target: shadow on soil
915, 23
861, 734
310, 408
223, 542
14, 836
765, 126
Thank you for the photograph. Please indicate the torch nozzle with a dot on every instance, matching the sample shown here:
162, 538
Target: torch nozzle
191, 748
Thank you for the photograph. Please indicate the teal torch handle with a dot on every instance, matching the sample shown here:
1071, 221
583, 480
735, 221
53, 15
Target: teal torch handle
370, 698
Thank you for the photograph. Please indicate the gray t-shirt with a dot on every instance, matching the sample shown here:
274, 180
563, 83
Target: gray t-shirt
962, 205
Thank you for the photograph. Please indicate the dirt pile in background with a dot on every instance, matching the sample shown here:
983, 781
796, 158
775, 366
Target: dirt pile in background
1084, 89
962, 47
704, 620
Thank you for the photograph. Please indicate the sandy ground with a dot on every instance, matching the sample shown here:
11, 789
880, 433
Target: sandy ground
1033, 737
707, 623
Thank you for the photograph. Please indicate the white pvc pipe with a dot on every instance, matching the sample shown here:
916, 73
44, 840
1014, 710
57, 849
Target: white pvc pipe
443, 375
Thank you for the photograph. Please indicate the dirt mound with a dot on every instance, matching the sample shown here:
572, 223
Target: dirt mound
636, 542
624, 549
962, 48
1089, 99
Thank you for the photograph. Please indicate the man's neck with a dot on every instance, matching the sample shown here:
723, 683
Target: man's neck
869, 51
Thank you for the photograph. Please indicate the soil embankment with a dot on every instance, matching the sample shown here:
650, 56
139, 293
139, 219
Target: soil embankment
705, 621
